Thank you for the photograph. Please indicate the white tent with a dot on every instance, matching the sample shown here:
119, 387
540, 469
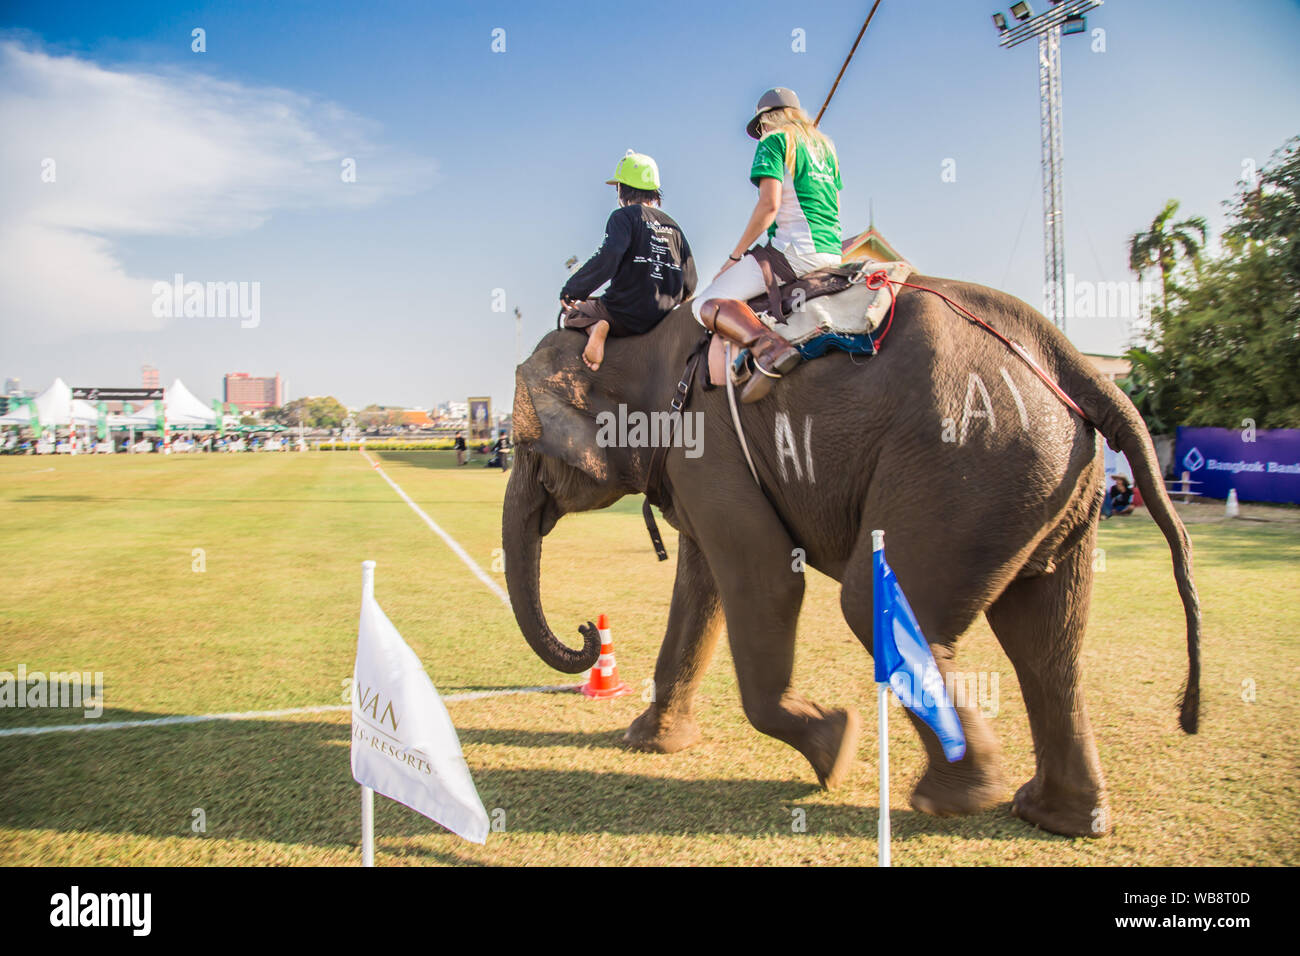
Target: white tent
55, 408
180, 409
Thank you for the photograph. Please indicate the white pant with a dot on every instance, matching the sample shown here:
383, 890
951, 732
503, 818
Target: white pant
744, 280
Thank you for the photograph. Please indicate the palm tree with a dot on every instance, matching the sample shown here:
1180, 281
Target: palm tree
1161, 245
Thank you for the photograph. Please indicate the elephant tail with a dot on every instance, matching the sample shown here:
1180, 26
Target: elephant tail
1116, 418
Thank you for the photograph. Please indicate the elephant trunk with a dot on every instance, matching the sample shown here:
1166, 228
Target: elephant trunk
521, 532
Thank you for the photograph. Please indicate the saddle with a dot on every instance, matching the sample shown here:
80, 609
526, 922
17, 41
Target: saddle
832, 300
829, 308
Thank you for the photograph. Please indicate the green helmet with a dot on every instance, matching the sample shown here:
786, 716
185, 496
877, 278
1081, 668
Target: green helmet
636, 170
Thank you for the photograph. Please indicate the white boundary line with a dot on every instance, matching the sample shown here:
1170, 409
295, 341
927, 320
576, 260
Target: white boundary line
182, 719
451, 542
447, 539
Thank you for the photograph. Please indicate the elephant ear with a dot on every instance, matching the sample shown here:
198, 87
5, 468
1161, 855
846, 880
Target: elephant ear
555, 413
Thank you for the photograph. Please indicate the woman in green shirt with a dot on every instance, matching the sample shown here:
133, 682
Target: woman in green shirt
798, 178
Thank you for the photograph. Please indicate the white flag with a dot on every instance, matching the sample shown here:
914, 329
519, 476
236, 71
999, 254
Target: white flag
403, 742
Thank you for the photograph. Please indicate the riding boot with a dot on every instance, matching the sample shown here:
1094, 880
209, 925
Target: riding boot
773, 355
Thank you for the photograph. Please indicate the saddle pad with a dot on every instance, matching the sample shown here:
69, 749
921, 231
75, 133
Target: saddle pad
855, 311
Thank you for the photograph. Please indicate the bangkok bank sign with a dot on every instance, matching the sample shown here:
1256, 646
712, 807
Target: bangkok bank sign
1261, 465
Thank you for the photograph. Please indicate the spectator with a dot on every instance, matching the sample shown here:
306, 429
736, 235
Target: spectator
501, 449
460, 448
1119, 500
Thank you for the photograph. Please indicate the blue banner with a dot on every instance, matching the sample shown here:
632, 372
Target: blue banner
1261, 465
903, 660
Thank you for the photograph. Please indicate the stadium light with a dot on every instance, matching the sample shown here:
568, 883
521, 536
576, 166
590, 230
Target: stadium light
1061, 17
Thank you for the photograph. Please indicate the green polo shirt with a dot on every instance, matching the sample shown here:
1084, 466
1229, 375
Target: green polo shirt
809, 217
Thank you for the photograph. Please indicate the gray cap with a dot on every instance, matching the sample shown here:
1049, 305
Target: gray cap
773, 99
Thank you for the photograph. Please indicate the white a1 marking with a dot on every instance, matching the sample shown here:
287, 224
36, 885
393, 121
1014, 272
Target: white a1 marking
787, 447
973, 382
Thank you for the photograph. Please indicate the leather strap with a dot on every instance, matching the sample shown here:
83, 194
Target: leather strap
735, 421
776, 271
679, 401
655, 473
655, 538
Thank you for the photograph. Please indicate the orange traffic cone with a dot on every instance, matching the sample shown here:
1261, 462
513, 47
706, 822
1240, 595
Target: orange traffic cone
603, 682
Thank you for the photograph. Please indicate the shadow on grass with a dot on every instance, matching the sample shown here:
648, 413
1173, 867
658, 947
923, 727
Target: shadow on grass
204, 502
290, 782
1248, 547
1253, 546
433, 458
34, 499
491, 736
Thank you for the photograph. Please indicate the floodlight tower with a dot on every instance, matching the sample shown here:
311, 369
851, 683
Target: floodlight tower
1061, 18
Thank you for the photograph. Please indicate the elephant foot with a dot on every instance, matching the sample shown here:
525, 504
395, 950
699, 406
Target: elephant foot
1079, 815
950, 791
656, 732
835, 746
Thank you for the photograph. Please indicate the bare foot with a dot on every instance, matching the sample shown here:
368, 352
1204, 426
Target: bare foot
594, 353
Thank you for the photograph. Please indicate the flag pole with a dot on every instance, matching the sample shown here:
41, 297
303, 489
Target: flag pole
882, 713
367, 795
367, 827
882, 833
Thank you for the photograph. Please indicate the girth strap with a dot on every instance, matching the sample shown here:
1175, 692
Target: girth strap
655, 473
650, 525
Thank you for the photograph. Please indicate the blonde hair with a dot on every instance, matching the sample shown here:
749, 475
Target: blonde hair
796, 124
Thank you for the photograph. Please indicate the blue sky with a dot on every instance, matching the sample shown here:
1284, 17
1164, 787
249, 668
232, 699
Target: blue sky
479, 171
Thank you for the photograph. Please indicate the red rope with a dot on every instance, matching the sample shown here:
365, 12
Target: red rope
880, 278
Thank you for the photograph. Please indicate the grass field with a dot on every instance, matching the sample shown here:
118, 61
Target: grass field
98, 561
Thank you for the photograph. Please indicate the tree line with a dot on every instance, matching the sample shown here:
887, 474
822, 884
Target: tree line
1223, 343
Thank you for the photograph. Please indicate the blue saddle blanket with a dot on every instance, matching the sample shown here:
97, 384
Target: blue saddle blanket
861, 343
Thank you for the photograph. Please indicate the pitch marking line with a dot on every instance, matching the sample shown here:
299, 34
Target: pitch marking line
447, 539
259, 714
451, 542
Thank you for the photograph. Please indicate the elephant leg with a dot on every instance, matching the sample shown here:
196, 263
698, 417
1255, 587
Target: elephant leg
969, 785
762, 594
762, 644
975, 782
694, 623
1040, 623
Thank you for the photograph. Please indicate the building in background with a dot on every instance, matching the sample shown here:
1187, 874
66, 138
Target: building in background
1111, 367
13, 392
248, 391
149, 377
870, 246
416, 418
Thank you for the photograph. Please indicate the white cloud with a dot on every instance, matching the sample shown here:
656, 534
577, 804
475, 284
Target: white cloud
152, 154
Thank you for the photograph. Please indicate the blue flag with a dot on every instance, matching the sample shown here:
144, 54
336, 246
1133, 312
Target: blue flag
904, 661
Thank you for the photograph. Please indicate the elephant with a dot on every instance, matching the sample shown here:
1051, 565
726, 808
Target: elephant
987, 485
